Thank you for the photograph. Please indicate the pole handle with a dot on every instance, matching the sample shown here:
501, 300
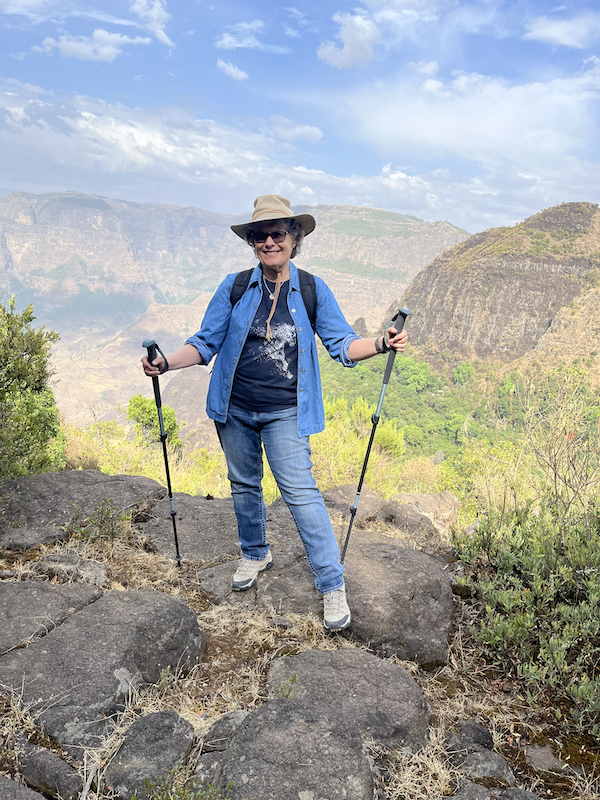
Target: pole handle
151, 346
397, 321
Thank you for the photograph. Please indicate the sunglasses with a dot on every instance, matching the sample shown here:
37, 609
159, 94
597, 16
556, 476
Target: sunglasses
260, 236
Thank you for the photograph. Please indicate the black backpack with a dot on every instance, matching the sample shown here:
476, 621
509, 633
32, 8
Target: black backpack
307, 288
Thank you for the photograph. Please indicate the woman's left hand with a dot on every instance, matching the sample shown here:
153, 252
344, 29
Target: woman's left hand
397, 341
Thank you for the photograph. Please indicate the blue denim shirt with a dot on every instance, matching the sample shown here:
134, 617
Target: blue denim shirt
224, 331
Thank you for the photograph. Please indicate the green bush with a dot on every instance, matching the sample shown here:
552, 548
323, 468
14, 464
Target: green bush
30, 438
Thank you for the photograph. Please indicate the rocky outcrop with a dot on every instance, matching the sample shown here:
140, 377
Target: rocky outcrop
498, 293
80, 675
73, 652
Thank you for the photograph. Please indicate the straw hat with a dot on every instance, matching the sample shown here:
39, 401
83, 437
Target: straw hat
273, 206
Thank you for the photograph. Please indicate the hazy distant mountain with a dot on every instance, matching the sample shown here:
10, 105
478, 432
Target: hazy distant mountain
108, 273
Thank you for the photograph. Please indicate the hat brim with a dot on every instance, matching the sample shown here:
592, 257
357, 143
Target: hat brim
307, 221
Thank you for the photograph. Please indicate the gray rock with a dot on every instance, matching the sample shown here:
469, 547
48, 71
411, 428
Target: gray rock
216, 738
401, 602
472, 791
29, 609
11, 790
44, 771
381, 698
483, 765
152, 746
340, 500
290, 590
404, 517
476, 733
54, 498
513, 794
477, 762
543, 759
206, 529
81, 673
21, 539
71, 567
440, 507
291, 750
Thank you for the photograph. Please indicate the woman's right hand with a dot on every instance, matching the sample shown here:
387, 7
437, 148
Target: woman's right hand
153, 369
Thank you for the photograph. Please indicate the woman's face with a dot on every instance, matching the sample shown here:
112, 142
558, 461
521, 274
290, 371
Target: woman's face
274, 256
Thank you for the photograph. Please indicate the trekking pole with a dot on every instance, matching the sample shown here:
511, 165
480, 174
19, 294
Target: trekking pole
152, 347
400, 317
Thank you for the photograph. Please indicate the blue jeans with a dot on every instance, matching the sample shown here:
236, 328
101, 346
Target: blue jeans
242, 438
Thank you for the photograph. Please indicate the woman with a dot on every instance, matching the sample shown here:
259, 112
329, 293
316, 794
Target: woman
265, 391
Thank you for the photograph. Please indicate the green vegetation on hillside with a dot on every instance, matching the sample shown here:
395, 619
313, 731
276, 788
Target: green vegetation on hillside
30, 439
358, 268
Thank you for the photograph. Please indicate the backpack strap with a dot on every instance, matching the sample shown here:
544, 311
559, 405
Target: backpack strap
307, 289
240, 284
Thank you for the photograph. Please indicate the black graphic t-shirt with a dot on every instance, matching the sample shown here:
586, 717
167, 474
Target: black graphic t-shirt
267, 372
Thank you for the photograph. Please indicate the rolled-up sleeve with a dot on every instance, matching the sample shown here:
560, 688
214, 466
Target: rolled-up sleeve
209, 339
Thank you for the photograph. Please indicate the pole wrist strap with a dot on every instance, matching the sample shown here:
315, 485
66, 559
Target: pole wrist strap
166, 366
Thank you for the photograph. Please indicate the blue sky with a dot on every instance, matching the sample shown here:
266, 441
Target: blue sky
479, 112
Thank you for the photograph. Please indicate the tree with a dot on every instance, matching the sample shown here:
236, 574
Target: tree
142, 412
30, 438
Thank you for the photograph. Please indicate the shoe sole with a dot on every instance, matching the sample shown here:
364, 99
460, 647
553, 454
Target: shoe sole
338, 626
252, 583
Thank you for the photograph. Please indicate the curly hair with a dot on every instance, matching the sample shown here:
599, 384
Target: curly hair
293, 227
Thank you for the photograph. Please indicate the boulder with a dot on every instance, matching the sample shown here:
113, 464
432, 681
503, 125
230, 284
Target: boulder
477, 761
292, 750
440, 507
381, 698
81, 674
21, 539
206, 528
54, 498
401, 602
44, 771
152, 746
218, 735
30, 609
71, 567
341, 499
11, 790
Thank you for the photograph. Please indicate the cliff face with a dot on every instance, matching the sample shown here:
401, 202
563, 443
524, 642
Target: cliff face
498, 293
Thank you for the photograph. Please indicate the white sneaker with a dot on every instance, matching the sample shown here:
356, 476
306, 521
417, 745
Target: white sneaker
336, 614
247, 573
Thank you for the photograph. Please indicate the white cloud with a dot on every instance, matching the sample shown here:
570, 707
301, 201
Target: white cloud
425, 67
286, 129
291, 32
357, 35
154, 16
19, 56
579, 32
61, 142
231, 70
244, 35
101, 46
481, 119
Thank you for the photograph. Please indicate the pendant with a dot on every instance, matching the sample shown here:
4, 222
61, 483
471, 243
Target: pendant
271, 297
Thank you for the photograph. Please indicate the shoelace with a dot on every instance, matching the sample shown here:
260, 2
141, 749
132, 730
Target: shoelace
334, 601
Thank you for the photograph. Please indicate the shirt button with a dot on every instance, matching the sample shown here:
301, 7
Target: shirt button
293, 310
302, 370
301, 351
301, 390
299, 329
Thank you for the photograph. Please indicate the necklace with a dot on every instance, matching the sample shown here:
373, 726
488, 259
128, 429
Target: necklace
269, 292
